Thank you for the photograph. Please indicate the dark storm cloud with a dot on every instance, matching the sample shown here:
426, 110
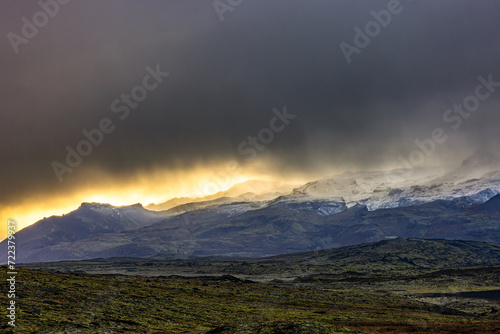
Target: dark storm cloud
226, 77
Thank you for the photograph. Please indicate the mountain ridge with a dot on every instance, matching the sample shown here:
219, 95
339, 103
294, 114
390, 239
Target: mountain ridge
280, 228
355, 208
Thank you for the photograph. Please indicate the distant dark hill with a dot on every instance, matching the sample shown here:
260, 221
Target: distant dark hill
386, 258
396, 254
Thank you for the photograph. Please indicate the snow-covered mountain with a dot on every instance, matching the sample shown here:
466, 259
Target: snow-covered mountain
476, 180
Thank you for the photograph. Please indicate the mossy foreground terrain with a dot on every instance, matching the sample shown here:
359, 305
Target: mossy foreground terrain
81, 303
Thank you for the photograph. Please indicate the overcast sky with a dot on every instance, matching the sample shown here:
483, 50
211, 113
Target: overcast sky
226, 77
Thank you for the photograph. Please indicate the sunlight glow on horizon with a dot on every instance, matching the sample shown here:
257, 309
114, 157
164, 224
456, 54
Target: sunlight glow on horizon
154, 186
144, 189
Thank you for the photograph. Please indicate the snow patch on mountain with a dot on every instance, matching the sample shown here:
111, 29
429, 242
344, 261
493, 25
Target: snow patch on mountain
476, 180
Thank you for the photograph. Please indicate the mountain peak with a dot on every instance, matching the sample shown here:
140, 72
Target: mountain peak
92, 205
491, 206
107, 205
136, 205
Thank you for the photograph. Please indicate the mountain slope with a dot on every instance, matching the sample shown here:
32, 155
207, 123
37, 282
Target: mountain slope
89, 220
281, 227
